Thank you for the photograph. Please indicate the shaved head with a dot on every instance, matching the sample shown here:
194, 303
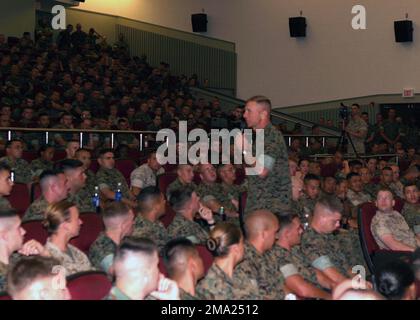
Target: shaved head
259, 221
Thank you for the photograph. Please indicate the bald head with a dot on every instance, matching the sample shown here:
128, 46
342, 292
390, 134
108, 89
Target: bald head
259, 221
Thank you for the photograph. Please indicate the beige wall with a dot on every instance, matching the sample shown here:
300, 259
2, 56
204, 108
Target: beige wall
333, 62
16, 17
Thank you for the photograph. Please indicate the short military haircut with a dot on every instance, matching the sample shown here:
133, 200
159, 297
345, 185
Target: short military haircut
5, 167
258, 221
286, 220
180, 197
115, 209
261, 100
44, 148
175, 252
330, 203
385, 189
147, 198
10, 142
353, 163
103, 151
407, 185
311, 176
301, 160
393, 279
83, 149
69, 164
351, 175
387, 168
6, 213
72, 141
27, 270
135, 245
47, 176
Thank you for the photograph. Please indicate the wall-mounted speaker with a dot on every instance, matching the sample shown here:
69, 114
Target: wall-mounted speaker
403, 31
199, 22
297, 26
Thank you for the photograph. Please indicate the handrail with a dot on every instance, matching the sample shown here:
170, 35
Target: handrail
275, 113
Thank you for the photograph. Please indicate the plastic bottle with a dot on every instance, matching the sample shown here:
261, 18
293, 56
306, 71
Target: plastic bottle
118, 194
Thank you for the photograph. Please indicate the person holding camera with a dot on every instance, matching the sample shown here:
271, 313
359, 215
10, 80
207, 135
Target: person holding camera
357, 130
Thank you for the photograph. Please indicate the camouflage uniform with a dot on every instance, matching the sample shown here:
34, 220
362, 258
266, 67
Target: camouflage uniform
218, 286
411, 213
257, 266
109, 178
82, 200
394, 224
20, 168
324, 251
181, 227
144, 176
370, 189
116, 294
177, 184
355, 199
4, 203
285, 263
359, 143
36, 210
274, 191
3, 277
397, 189
37, 166
101, 252
184, 295
152, 230
73, 260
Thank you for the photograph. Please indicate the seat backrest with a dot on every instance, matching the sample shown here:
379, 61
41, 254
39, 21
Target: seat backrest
20, 198
206, 256
94, 166
35, 191
89, 231
399, 204
169, 216
35, 230
197, 178
240, 176
366, 212
170, 167
5, 296
29, 155
90, 285
125, 166
59, 155
329, 170
164, 180
161, 267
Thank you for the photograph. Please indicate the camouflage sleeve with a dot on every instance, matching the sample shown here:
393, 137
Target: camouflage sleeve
101, 181
380, 227
137, 178
316, 252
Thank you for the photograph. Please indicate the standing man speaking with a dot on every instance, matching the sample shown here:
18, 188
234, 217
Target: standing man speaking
271, 188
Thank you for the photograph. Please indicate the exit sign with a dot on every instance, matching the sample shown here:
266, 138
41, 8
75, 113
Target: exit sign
408, 93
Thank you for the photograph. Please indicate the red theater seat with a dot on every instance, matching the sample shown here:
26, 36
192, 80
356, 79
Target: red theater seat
5, 296
35, 191
164, 180
20, 198
29, 156
94, 166
59, 155
125, 166
90, 285
89, 231
207, 257
35, 230
169, 216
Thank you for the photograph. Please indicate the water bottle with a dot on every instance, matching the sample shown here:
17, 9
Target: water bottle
118, 194
95, 198
222, 213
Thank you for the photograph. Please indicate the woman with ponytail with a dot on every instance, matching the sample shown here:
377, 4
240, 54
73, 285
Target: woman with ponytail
226, 243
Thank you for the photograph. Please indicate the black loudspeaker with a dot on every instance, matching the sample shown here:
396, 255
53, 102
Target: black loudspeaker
199, 22
297, 26
403, 31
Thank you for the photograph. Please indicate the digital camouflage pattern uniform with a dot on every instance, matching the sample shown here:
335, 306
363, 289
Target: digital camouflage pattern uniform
392, 223
359, 143
73, 260
36, 210
182, 227
117, 294
177, 184
274, 191
257, 266
324, 251
109, 178
370, 189
305, 209
356, 199
218, 286
82, 200
152, 230
184, 295
4, 203
20, 168
411, 214
285, 263
397, 189
37, 166
3, 277
101, 252
144, 176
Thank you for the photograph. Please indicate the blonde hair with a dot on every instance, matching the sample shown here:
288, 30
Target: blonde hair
56, 214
